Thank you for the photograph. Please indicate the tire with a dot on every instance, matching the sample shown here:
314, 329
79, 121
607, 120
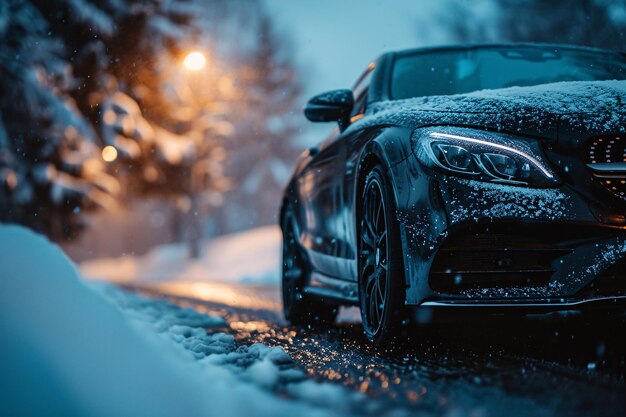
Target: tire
380, 265
300, 308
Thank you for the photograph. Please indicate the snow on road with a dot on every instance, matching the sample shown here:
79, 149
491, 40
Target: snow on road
76, 348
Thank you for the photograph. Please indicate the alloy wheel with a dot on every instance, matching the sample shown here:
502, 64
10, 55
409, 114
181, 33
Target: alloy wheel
374, 258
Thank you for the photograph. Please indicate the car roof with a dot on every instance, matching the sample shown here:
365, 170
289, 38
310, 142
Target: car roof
504, 45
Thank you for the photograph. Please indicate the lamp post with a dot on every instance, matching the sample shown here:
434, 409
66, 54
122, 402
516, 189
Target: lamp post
199, 110
194, 61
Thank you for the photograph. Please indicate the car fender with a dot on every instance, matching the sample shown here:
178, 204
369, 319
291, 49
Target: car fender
391, 148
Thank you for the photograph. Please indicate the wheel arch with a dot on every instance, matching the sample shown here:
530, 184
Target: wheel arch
389, 149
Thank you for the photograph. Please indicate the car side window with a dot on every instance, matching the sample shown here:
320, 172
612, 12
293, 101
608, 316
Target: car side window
360, 91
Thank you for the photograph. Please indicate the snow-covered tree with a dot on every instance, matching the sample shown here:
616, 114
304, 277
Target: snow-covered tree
82, 75
49, 159
79, 75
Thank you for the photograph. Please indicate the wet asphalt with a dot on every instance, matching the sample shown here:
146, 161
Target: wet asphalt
548, 365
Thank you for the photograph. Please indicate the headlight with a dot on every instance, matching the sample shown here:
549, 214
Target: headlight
483, 156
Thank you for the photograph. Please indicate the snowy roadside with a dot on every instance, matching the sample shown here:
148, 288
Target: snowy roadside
239, 270
250, 257
77, 348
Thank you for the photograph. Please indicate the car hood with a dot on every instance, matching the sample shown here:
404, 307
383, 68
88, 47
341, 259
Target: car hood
540, 111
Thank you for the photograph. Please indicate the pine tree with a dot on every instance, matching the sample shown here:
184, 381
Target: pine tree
80, 75
50, 167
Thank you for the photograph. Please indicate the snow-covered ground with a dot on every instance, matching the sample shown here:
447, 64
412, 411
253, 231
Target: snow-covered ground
71, 347
251, 257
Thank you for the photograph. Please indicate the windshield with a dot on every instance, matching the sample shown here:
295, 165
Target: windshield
465, 70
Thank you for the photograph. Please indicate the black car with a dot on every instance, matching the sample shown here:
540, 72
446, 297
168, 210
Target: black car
487, 177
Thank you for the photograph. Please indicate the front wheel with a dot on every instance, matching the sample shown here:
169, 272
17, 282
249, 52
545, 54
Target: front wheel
300, 308
381, 272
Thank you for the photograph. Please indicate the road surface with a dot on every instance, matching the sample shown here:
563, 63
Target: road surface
558, 365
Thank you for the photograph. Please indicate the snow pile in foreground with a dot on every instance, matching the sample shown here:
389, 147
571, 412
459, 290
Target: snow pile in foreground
251, 257
68, 350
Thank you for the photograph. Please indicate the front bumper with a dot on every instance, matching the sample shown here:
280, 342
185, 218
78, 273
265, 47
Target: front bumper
476, 244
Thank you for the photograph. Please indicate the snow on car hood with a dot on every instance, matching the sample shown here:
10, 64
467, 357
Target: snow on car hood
536, 110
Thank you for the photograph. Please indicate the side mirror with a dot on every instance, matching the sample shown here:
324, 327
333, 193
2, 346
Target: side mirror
332, 106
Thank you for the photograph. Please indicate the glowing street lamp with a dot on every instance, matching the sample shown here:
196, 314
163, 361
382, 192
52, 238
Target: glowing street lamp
109, 153
194, 61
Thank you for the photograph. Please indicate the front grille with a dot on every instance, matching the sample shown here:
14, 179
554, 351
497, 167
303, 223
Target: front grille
473, 261
606, 158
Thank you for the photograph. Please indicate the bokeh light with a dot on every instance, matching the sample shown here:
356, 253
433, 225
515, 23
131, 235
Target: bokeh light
109, 153
195, 61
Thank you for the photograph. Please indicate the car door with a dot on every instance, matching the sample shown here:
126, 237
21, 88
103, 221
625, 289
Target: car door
327, 231
320, 194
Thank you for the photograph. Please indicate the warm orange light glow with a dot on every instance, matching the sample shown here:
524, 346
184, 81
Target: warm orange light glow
109, 153
224, 294
195, 61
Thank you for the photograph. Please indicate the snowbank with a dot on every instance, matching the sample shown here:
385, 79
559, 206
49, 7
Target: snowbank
67, 350
245, 258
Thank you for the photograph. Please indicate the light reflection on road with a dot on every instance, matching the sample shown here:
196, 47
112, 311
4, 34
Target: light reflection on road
241, 296
249, 297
